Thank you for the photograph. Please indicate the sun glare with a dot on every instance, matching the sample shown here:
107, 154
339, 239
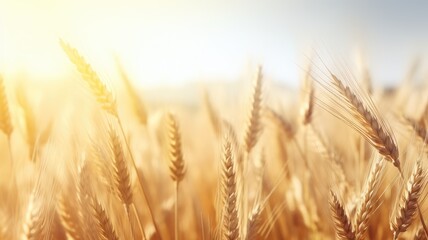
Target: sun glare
221, 119
158, 42
169, 42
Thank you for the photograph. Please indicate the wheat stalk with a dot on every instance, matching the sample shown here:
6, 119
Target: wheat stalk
341, 220
253, 126
419, 128
104, 225
409, 201
254, 223
5, 119
176, 167
107, 101
35, 221
283, 124
122, 178
374, 129
366, 205
99, 90
176, 164
308, 97
121, 174
230, 216
70, 219
215, 120
29, 116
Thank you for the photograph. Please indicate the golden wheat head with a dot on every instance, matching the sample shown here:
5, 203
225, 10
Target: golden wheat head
409, 201
230, 216
341, 220
5, 120
97, 87
176, 166
253, 126
122, 177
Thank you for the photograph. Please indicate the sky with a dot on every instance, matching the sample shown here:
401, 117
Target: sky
174, 42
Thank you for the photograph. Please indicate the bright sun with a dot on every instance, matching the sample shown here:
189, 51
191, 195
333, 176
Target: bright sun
158, 42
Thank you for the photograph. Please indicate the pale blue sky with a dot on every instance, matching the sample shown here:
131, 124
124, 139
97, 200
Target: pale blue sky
164, 42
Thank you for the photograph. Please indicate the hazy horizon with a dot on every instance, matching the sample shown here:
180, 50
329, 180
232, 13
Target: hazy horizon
162, 42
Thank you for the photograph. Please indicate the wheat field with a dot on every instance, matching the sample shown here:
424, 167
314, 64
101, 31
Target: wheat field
341, 158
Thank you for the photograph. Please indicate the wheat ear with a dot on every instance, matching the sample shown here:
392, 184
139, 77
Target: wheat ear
253, 126
283, 124
29, 116
366, 205
7, 128
122, 178
419, 128
108, 103
35, 221
176, 164
70, 219
371, 125
99, 90
307, 96
230, 216
121, 174
5, 120
254, 223
420, 235
341, 220
409, 201
104, 225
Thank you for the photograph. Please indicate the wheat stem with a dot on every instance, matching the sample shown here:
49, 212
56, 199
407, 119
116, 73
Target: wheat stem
141, 228
176, 211
342, 224
140, 178
409, 201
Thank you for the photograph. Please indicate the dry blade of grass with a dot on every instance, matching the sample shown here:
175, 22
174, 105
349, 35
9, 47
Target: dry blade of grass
342, 223
138, 105
29, 116
215, 120
99, 90
408, 205
364, 75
